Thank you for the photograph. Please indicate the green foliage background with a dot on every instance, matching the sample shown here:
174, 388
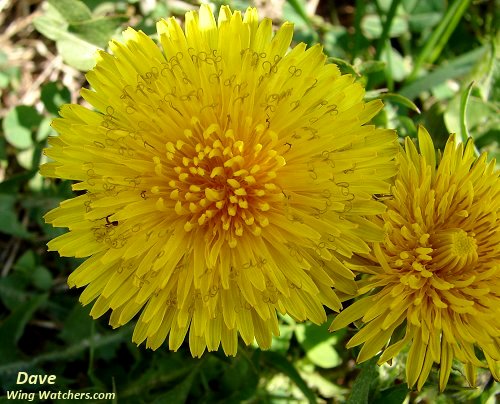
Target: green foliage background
433, 62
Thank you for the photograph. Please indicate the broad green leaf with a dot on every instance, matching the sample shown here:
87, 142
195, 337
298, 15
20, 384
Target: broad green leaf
459, 66
19, 124
158, 375
371, 66
395, 62
361, 387
318, 344
98, 30
12, 328
239, 380
345, 67
74, 50
179, 394
41, 278
393, 395
77, 325
25, 158
422, 21
72, 10
53, 95
44, 129
282, 364
9, 223
12, 290
26, 263
281, 343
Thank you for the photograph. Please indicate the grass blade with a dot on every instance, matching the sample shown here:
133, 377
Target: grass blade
440, 36
301, 11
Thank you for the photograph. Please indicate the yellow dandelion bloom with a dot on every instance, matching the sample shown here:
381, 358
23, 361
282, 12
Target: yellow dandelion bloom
438, 283
224, 177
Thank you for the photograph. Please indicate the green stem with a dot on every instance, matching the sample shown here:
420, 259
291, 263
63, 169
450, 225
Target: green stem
388, 68
383, 40
358, 36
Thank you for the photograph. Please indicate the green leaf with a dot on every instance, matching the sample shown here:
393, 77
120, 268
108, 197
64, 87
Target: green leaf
9, 224
74, 50
393, 395
281, 343
396, 66
345, 67
72, 10
318, 344
179, 394
42, 278
159, 374
44, 129
459, 66
12, 290
282, 364
422, 21
98, 30
373, 27
371, 66
77, 324
25, 158
361, 387
55, 94
19, 124
12, 328
401, 100
26, 263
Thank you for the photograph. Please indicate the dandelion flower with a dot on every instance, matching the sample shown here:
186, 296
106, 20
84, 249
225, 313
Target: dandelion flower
438, 282
224, 178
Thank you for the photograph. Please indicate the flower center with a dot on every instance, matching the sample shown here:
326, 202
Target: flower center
456, 248
221, 181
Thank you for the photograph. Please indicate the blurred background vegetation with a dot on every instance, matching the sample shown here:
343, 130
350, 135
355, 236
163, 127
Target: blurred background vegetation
433, 62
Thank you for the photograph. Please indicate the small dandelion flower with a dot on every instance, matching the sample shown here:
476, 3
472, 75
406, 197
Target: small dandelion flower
224, 180
439, 277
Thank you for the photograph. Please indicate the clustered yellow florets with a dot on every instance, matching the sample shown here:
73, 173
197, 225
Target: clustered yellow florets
226, 179
440, 266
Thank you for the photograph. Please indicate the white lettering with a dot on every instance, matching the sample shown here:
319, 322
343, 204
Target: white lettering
20, 376
20, 395
23, 377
